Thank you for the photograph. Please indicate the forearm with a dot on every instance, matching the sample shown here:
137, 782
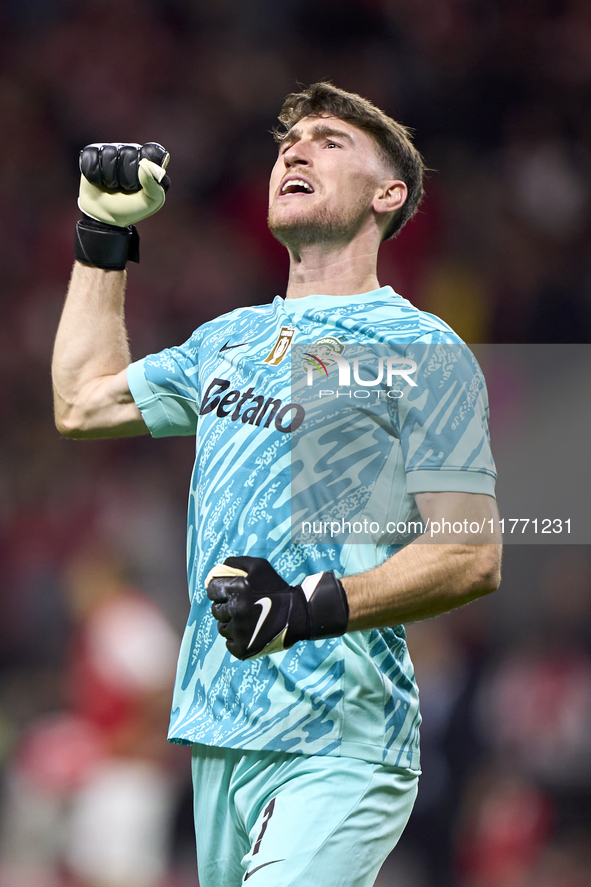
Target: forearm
259, 613
90, 348
420, 581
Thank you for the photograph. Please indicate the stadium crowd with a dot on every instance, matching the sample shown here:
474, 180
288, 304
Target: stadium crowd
91, 533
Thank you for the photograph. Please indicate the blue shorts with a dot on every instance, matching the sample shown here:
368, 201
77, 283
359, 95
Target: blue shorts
270, 819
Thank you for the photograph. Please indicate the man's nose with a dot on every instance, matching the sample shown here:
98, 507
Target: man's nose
296, 155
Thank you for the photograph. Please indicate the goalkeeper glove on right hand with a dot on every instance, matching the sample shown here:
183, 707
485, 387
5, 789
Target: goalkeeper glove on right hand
258, 612
120, 185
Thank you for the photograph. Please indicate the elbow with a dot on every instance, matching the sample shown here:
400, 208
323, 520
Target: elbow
486, 569
64, 415
73, 417
67, 428
69, 422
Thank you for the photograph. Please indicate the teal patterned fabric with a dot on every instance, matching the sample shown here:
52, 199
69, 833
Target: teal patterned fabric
231, 385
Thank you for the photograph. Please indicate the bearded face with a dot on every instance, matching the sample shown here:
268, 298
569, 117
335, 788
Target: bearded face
323, 183
320, 222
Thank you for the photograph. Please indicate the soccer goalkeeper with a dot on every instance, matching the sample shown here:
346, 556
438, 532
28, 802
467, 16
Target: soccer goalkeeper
294, 684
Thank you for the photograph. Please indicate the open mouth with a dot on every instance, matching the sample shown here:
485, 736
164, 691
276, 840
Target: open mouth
296, 186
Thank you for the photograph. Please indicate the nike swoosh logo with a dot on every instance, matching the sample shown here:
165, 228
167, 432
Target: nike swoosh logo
265, 604
227, 347
262, 866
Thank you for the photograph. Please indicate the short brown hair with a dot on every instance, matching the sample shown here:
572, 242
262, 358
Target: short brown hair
393, 139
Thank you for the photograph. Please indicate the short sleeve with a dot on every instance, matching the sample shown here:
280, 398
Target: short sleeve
442, 421
165, 388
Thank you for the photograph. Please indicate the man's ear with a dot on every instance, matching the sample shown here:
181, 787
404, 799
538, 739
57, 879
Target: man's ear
390, 196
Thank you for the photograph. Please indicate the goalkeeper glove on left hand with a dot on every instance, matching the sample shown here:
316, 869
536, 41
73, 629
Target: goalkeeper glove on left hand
259, 613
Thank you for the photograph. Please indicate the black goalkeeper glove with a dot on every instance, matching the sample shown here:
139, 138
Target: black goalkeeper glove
121, 184
259, 613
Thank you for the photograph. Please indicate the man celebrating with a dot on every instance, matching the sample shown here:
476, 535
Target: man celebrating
294, 684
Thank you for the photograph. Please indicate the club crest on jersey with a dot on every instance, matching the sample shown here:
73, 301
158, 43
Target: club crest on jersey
321, 355
279, 349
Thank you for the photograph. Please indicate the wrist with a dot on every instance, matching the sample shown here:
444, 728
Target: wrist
105, 246
319, 609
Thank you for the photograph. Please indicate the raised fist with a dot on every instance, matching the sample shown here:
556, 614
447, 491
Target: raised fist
122, 183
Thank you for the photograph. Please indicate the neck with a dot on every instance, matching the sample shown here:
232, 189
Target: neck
332, 270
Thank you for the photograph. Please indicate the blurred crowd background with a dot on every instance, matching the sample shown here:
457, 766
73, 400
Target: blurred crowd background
92, 589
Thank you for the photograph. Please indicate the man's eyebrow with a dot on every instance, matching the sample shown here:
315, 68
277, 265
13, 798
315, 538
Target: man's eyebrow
322, 129
290, 136
317, 131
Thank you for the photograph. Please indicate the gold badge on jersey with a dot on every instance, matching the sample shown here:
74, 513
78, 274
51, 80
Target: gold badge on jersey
280, 347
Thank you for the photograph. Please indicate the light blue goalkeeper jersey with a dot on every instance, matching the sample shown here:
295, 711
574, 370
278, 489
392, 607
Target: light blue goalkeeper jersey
230, 384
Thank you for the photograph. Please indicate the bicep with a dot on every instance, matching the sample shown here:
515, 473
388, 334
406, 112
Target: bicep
467, 509
105, 409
